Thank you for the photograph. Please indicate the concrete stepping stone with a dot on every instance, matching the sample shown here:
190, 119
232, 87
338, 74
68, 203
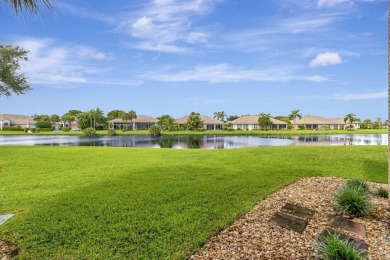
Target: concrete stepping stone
4, 218
341, 223
298, 211
289, 222
358, 243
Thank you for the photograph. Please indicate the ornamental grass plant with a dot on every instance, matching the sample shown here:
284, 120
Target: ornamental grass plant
382, 192
332, 247
353, 199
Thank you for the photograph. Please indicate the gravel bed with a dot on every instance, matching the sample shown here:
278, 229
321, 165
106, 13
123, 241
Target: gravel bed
253, 237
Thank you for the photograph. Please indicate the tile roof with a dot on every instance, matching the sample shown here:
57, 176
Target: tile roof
254, 120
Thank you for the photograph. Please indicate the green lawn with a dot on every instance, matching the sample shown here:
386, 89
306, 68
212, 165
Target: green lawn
107, 203
218, 132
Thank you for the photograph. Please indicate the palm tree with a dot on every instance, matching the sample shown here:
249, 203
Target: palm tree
220, 115
125, 117
132, 115
30, 6
294, 115
350, 118
378, 121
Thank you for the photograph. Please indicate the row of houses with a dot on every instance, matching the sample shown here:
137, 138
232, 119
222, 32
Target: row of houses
243, 123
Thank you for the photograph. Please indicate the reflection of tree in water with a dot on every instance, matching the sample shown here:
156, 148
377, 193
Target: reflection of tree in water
195, 141
164, 141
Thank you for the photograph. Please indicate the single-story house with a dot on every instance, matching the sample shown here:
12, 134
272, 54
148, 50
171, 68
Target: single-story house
208, 122
16, 120
317, 122
252, 123
141, 122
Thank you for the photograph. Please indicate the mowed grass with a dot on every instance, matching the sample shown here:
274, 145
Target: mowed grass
121, 203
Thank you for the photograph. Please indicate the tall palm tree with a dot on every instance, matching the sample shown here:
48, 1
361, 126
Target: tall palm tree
350, 118
379, 122
30, 6
220, 115
132, 116
294, 115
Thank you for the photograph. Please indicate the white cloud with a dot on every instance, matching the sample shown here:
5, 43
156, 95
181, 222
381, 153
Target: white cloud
325, 59
168, 23
361, 96
224, 73
63, 64
331, 3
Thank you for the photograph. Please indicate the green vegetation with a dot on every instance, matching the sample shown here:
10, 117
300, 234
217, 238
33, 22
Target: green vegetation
357, 183
382, 192
111, 132
353, 198
90, 131
106, 203
155, 130
332, 247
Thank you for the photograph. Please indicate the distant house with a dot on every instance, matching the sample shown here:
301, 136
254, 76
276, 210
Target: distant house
252, 123
141, 122
317, 122
208, 122
16, 120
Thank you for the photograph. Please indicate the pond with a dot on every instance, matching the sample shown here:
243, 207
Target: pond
195, 141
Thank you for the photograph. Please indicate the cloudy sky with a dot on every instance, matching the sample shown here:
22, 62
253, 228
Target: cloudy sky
324, 57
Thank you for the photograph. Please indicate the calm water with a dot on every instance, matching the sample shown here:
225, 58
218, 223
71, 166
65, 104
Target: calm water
195, 141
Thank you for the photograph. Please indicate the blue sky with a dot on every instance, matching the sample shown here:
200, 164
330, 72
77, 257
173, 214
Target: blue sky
324, 57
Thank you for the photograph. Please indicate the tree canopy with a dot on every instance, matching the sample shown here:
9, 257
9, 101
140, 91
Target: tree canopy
11, 80
29, 6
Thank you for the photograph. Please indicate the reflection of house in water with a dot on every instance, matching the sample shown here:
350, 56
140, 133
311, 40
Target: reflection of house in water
208, 122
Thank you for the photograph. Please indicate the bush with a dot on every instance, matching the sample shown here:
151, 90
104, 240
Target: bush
353, 200
332, 247
13, 128
382, 192
155, 130
111, 132
66, 129
90, 131
301, 127
358, 183
43, 124
46, 129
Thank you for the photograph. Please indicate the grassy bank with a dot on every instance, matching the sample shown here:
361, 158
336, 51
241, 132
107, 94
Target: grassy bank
106, 203
216, 132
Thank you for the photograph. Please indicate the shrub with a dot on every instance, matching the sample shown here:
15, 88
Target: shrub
353, 200
332, 247
46, 129
66, 129
43, 124
90, 131
382, 192
155, 130
13, 128
111, 132
301, 127
358, 183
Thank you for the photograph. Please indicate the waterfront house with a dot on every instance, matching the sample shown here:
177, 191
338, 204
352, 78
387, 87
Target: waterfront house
208, 122
142, 122
318, 122
16, 120
252, 123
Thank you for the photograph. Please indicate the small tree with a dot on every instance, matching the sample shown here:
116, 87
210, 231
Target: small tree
155, 130
220, 116
167, 123
194, 122
294, 115
350, 118
265, 121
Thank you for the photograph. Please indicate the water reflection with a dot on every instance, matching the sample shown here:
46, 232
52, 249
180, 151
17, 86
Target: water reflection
195, 141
